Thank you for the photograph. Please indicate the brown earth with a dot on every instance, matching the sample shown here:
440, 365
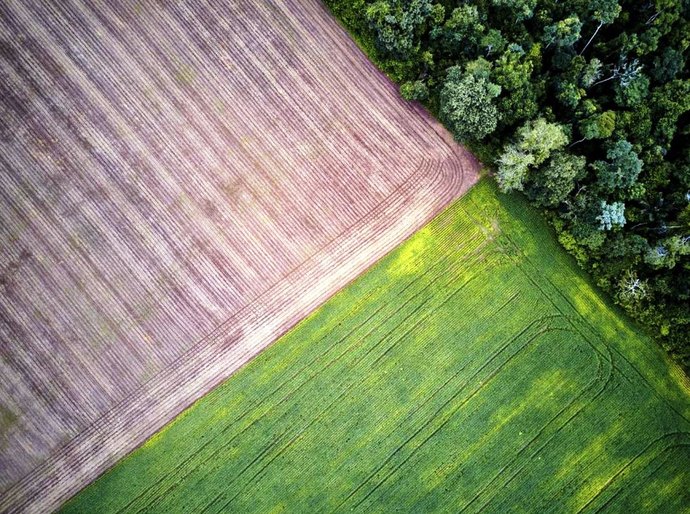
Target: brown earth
180, 183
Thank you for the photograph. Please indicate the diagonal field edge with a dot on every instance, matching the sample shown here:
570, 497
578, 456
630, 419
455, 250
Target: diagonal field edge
203, 367
224, 349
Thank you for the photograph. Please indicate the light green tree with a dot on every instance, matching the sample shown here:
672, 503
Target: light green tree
540, 137
563, 33
416, 90
534, 142
467, 106
513, 166
612, 215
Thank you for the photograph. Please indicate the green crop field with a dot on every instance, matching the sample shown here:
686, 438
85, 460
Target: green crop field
473, 369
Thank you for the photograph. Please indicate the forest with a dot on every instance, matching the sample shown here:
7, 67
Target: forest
583, 106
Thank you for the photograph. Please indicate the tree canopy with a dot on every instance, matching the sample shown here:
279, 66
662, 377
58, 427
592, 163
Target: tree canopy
467, 105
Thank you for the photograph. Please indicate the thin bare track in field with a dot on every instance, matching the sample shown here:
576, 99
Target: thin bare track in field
180, 183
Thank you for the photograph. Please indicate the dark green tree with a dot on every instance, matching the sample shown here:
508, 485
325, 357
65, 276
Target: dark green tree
622, 168
669, 102
492, 42
397, 24
597, 126
668, 65
513, 72
604, 12
632, 93
521, 9
556, 179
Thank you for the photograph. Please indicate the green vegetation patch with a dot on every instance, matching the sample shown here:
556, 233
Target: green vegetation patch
474, 368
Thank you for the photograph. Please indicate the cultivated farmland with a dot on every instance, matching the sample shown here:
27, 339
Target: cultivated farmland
473, 369
180, 183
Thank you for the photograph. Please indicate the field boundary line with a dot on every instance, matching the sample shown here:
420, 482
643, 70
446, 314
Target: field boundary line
426, 195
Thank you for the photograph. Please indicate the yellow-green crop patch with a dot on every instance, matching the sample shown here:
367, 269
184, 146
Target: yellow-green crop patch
473, 369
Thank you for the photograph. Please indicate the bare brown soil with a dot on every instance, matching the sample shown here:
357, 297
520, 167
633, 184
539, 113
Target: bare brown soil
180, 183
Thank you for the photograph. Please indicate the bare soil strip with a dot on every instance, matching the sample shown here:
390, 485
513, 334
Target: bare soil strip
180, 183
